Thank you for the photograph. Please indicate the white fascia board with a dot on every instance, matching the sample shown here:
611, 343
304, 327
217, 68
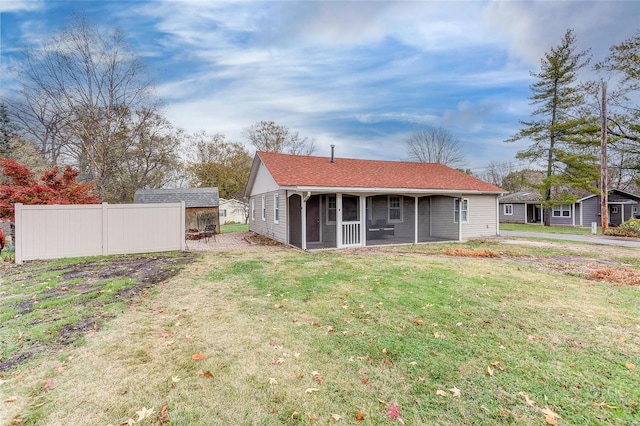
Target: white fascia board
374, 191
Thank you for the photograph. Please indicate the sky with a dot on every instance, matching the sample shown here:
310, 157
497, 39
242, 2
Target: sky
361, 75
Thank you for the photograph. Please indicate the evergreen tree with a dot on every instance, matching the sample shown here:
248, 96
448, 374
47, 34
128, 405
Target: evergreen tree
7, 132
561, 139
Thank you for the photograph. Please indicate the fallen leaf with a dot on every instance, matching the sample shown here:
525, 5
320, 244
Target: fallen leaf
440, 392
312, 417
2, 382
144, 413
272, 381
48, 384
529, 401
622, 340
208, 374
490, 371
394, 412
330, 329
11, 399
418, 322
317, 377
549, 413
455, 391
311, 390
439, 335
336, 417
359, 416
164, 414
630, 365
599, 404
197, 357
175, 379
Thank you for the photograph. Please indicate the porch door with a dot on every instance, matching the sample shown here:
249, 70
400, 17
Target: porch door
313, 219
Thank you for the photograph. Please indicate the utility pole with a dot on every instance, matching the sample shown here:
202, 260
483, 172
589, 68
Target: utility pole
604, 174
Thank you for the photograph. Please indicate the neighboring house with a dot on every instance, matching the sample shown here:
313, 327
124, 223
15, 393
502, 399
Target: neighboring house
233, 211
201, 204
523, 207
520, 207
320, 202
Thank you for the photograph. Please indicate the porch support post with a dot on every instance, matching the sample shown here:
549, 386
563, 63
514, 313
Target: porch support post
526, 213
303, 221
459, 219
339, 220
415, 221
363, 220
573, 214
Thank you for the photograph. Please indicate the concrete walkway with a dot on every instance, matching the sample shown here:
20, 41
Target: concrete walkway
586, 238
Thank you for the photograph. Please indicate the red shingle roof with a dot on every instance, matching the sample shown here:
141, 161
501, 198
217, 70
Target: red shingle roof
298, 170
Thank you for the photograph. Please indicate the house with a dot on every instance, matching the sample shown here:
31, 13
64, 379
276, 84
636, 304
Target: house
233, 210
201, 204
520, 207
320, 202
524, 207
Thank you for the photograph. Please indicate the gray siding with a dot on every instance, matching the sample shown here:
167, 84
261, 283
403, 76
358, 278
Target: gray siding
424, 219
518, 215
267, 227
482, 217
442, 224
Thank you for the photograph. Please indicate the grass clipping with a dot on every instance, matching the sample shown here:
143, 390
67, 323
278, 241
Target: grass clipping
470, 252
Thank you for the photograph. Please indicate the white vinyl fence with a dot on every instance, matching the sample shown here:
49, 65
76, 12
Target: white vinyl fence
57, 231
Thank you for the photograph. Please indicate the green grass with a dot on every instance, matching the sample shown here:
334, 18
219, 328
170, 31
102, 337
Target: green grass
546, 229
234, 227
299, 338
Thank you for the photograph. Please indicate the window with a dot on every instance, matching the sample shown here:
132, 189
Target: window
253, 209
614, 209
331, 209
394, 209
635, 209
464, 213
562, 211
223, 212
350, 208
264, 208
276, 208
508, 209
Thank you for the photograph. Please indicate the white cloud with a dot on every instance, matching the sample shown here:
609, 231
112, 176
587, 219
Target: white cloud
9, 6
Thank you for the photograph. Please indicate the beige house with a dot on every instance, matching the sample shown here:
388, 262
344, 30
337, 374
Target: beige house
232, 210
320, 202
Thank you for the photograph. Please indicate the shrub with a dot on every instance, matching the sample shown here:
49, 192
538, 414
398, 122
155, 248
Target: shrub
630, 228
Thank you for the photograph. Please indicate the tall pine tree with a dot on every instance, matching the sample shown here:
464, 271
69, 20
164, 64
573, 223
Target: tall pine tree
561, 138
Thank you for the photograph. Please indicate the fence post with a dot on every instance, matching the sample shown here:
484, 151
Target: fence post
18, 233
105, 229
183, 242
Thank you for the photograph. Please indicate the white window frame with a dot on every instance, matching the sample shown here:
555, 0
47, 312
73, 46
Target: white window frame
264, 208
398, 208
253, 209
508, 209
465, 209
559, 211
634, 210
334, 208
276, 208
614, 209
223, 212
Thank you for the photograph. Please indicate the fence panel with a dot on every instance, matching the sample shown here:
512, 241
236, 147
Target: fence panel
52, 232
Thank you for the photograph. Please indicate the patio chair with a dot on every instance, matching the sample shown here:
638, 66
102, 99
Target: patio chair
209, 231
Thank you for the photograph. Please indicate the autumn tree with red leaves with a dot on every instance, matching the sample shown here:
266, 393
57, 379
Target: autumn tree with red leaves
18, 185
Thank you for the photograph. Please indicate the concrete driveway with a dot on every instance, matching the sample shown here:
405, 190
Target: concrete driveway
588, 238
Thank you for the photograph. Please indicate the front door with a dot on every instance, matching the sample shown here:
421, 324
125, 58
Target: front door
313, 219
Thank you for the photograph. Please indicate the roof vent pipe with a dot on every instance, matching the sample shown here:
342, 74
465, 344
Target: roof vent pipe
332, 158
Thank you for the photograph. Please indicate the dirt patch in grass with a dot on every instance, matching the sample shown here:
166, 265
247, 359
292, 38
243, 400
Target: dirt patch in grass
470, 252
626, 276
38, 293
261, 240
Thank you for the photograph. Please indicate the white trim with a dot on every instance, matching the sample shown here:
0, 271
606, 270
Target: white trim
561, 209
510, 213
463, 202
335, 204
381, 191
264, 208
400, 207
276, 208
253, 209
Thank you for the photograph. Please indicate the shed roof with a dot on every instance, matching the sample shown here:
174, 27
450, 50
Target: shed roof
310, 171
192, 197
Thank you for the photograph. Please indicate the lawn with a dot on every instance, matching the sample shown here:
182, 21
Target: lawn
234, 227
520, 335
546, 229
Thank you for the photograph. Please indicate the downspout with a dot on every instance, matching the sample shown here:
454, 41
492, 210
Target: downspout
338, 220
498, 215
363, 220
303, 222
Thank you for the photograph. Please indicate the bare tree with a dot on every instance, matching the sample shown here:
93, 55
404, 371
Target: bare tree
436, 145
86, 100
271, 137
496, 172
